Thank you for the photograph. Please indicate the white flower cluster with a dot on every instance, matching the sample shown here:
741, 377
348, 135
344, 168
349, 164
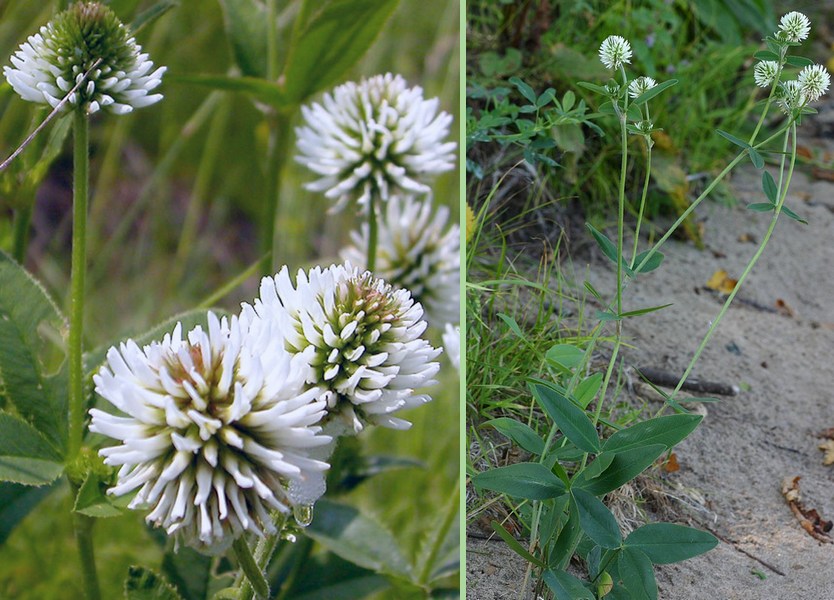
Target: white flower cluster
88, 56
640, 86
813, 80
377, 142
614, 52
373, 139
222, 427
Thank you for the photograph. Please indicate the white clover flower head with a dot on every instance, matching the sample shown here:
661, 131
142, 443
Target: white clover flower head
418, 252
213, 433
765, 72
612, 89
614, 52
451, 344
376, 137
52, 62
791, 96
814, 81
645, 126
794, 27
640, 86
362, 338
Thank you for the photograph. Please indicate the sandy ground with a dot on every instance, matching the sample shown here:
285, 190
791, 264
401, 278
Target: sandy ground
747, 444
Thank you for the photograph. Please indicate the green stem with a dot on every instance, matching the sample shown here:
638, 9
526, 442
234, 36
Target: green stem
750, 265
649, 144
373, 233
276, 158
22, 220
84, 538
81, 158
255, 580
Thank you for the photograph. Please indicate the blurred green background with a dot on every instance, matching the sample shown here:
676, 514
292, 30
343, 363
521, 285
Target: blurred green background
201, 154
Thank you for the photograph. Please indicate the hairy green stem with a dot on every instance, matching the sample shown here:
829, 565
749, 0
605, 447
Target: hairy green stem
254, 581
749, 267
83, 526
81, 172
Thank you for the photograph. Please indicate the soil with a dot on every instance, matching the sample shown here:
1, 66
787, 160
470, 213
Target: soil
777, 345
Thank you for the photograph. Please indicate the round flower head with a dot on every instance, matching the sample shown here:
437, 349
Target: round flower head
213, 433
765, 72
471, 223
794, 27
85, 37
640, 86
363, 338
416, 251
614, 52
791, 96
814, 81
375, 137
451, 344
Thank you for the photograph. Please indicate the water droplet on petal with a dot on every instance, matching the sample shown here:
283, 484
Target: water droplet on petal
303, 514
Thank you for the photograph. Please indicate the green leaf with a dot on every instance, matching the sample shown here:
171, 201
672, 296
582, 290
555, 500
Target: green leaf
524, 89
326, 576
596, 520
93, 501
587, 389
633, 113
144, 584
766, 55
659, 88
798, 61
733, 139
150, 15
532, 481
330, 37
512, 324
564, 546
189, 571
668, 430
348, 533
666, 543
599, 464
565, 357
597, 89
571, 419
17, 501
756, 158
514, 545
769, 187
644, 311
792, 215
655, 260
605, 315
28, 321
259, 89
25, 455
607, 246
637, 574
568, 101
246, 25
761, 207
519, 433
624, 467
565, 586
